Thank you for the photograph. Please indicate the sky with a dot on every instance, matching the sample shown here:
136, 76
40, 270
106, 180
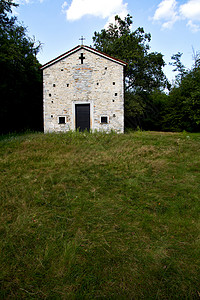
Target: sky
59, 24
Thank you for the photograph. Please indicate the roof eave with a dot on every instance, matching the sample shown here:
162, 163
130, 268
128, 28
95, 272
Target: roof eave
48, 64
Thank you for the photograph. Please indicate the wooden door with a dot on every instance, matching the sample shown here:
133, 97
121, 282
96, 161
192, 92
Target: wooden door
82, 117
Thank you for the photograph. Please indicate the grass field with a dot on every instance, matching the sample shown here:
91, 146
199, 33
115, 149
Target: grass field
100, 216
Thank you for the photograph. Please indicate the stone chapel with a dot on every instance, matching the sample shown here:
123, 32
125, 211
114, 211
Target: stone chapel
83, 89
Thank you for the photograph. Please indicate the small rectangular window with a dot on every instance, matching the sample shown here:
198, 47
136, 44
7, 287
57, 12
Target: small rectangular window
104, 120
115, 94
113, 83
61, 120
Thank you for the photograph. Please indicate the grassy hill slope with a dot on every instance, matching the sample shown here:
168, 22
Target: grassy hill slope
106, 216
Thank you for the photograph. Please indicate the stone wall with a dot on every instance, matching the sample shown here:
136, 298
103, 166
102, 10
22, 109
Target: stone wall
98, 81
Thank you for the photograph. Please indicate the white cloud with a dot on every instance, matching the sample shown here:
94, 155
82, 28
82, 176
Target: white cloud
26, 1
111, 19
194, 28
165, 9
15, 12
168, 12
65, 4
98, 8
191, 10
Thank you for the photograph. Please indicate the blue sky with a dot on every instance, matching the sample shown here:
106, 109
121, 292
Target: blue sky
174, 24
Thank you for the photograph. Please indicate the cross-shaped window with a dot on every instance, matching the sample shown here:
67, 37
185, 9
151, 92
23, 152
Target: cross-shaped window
82, 57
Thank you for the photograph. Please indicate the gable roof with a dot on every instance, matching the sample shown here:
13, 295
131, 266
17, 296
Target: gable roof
77, 48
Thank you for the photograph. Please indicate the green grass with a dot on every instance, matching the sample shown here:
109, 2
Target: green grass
106, 216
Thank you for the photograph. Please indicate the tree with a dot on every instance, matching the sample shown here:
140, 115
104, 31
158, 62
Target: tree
5, 8
20, 77
144, 72
183, 110
179, 67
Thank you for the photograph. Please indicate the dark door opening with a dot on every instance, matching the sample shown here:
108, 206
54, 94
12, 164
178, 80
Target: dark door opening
82, 117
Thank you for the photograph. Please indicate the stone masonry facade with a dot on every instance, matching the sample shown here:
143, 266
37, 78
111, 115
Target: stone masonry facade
83, 76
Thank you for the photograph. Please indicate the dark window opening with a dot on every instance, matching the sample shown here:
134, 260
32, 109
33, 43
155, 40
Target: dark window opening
49, 95
113, 83
61, 120
115, 94
67, 84
51, 116
54, 85
113, 100
51, 101
114, 115
106, 68
104, 120
61, 69
97, 83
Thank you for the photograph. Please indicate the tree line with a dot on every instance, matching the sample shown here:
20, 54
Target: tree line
147, 105
20, 76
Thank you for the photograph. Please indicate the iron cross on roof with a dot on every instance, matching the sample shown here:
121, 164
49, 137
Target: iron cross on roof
82, 39
82, 57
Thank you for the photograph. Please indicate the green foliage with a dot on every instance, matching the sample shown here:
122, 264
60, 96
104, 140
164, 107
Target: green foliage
20, 77
144, 70
134, 109
107, 216
183, 109
5, 8
143, 74
145, 110
190, 88
179, 67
